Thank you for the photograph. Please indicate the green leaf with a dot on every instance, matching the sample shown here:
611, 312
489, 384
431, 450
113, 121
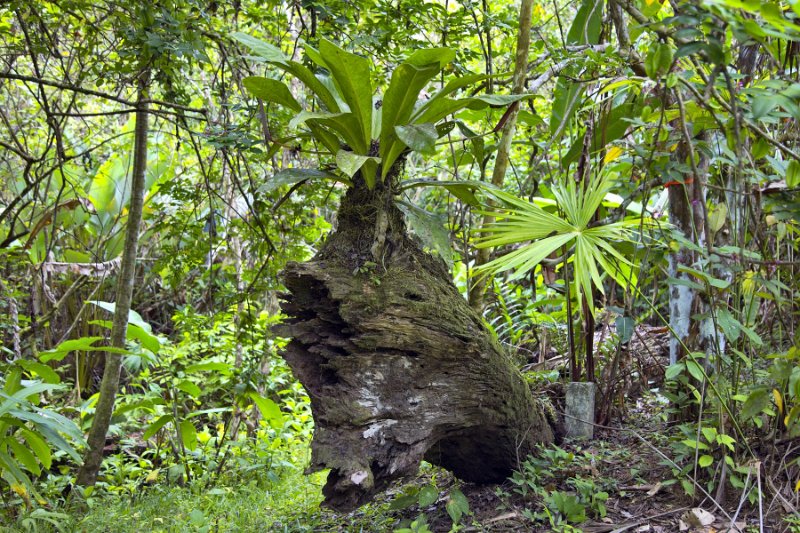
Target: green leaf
314, 55
344, 124
460, 500
754, 337
454, 510
148, 340
188, 435
521, 221
441, 56
50, 429
23, 395
437, 108
710, 433
731, 327
793, 174
613, 125
320, 90
352, 78
306, 116
459, 83
705, 461
269, 410
695, 445
11, 467
674, 371
726, 440
695, 370
24, 456
566, 97
403, 502
132, 333
59, 352
271, 90
419, 137
262, 49
189, 388
567, 506
625, 326
350, 163
47, 374
688, 487
197, 517
133, 317
13, 380
587, 24
324, 136
585, 29
762, 104
155, 426
427, 495
717, 217
658, 60
430, 230
222, 368
463, 190
398, 103
756, 402
290, 176
685, 283
39, 447
496, 100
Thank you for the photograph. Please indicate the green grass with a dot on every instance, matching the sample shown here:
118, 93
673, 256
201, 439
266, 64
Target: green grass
290, 504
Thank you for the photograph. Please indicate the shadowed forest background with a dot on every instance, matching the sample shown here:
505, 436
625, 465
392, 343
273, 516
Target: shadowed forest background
338, 266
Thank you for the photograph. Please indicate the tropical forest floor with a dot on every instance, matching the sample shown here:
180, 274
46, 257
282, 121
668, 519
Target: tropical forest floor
622, 481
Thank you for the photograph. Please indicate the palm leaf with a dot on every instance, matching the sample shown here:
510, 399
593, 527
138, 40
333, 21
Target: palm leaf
594, 256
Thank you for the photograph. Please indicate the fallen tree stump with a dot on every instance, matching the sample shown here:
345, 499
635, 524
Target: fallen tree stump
397, 365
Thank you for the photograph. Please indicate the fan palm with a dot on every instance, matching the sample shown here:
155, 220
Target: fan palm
591, 247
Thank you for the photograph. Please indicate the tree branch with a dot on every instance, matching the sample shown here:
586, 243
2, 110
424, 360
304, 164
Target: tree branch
99, 94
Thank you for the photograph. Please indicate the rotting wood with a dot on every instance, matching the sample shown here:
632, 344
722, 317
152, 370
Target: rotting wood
397, 365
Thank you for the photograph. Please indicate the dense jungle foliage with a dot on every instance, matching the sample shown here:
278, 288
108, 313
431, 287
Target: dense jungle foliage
610, 184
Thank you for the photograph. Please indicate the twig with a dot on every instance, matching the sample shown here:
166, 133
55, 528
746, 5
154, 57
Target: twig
741, 500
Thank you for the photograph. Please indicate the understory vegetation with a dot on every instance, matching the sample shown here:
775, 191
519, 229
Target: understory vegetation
611, 185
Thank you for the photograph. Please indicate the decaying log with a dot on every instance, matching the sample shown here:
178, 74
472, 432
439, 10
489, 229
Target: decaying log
397, 365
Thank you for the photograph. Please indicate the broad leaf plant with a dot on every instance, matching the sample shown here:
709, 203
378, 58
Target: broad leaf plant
363, 134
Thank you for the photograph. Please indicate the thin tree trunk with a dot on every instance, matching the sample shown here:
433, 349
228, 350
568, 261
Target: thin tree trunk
87, 475
686, 214
478, 287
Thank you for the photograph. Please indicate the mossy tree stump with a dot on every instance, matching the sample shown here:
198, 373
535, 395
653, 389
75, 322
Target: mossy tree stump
397, 365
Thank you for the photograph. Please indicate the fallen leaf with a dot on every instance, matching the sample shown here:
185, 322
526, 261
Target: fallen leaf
506, 516
655, 489
698, 517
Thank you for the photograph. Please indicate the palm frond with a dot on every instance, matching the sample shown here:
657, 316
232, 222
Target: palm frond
593, 253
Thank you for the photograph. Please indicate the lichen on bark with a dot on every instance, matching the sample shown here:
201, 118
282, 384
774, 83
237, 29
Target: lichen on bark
397, 365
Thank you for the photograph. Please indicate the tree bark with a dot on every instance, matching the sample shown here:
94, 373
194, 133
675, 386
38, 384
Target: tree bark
398, 367
687, 215
87, 475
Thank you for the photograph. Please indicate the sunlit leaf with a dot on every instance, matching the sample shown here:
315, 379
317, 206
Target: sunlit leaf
155, 426
351, 75
271, 90
188, 435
